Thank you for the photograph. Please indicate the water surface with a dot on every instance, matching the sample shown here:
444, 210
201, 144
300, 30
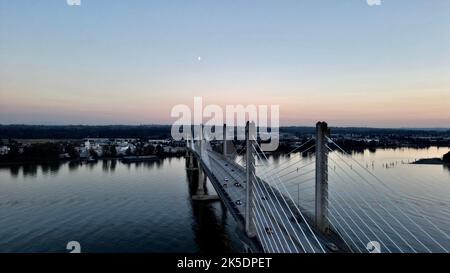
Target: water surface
113, 207
109, 207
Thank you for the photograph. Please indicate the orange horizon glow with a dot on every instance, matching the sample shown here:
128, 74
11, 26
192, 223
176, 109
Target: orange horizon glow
354, 65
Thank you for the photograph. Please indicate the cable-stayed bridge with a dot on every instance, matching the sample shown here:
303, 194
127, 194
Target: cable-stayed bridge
272, 220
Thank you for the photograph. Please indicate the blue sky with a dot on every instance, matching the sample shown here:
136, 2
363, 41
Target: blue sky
112, 61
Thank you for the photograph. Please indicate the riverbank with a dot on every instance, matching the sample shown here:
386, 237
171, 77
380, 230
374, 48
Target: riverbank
445, 160
431, 161
86, 161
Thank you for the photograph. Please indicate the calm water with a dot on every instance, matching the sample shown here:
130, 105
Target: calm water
109, 207
404, 206
113, 207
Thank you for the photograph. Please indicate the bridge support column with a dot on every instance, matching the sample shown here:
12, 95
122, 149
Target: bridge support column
322, 177
201, 185
250, 228
191, 164
201, 193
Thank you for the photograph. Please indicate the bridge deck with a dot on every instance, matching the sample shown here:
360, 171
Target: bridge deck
271, 210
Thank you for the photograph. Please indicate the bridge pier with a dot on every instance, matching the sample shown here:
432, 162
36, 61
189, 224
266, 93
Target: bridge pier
201, 185
321, 206
191, 162
249, 244
201, 193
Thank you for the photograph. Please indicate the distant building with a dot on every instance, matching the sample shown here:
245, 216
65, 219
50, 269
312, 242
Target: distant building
173, 150
123, 147
93, 144
4, 150
64, 156
288, 136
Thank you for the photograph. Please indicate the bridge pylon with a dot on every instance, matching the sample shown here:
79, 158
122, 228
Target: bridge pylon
191, 162
201, 137
321, 206
250, 134
228, 148
225, 147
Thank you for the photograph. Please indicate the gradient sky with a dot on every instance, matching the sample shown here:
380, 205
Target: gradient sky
130, 62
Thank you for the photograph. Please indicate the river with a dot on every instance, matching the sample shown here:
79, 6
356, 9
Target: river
109, 206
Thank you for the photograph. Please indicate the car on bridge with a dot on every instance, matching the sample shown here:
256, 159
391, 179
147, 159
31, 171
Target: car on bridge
332, 247
269, 230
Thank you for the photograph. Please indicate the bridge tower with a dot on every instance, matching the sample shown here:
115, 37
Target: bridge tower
322, 177
228, 145
200, 137
225, 139
250, 133
191, 162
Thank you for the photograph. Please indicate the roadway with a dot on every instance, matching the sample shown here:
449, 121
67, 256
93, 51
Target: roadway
279, 225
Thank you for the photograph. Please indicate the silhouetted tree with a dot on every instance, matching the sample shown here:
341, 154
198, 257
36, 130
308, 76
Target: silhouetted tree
446, 157
47, 151
73, 153
109, 151
159, 150
13, 151
148, 150
93, 153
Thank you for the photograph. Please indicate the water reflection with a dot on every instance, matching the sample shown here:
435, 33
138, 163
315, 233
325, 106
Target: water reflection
108, 165
447, 168
74, 165
147, 206
145, 209
29, 170
14, 170
52, 168
105, 165
209, 228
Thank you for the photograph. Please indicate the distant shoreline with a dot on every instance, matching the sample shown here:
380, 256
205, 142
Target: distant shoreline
81, 161
164, 131
431, 161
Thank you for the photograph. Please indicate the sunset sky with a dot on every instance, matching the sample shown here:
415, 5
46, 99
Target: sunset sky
130, 62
